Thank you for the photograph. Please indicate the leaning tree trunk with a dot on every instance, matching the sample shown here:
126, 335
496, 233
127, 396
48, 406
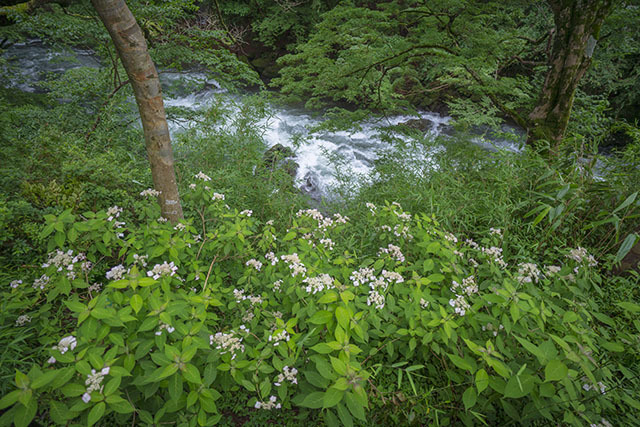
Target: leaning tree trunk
577, 27
132, 50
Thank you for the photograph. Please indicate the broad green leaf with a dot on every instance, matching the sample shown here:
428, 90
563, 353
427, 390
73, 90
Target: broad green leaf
555, 371
321, 317
313, 400
136, 303
482, 380
331, 397
519, 386
96, 413
469, 397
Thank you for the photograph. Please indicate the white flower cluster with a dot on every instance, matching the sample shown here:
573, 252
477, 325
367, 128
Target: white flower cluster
150, 192
323, 223
164, 269
254, 263
240, 296
202, 176
164, 326
276, 285
116, 273
180, 227
528, 273
15, 283
295, 265
599, 386
288, 375
495, 231
162, 220
372, 208
459, 304
270, 222
602, 423
424, 303
581, 255
318, 283
280, 336
327, 243
489, 327
246, 212
140, 259
67, 261
66, 344
41, 282
23, 320
472, 244
450, 237
113, 213
376, 299
271, 257
392, 276
552, 269
228, 343
96, 287
94, 383
362, 276
271, 404
495, 253
393, 251
217, 196
468, 286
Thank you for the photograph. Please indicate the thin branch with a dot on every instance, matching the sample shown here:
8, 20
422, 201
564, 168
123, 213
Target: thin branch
104, 104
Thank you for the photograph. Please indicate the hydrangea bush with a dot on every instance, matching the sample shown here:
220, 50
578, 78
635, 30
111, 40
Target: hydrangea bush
160, 320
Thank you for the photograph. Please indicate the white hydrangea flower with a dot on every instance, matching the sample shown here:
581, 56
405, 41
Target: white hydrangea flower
150, 192
202, 176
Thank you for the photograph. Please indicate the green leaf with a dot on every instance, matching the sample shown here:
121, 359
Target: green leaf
25, 414
338, 365
136, 302
519, 386
343, 317
96, 413
629, 306
626, 246
331, 397
58, 412
9, 399
328, 298
555, 371
191, 374
322, 348
482, 380
44, 379
344, 415
469, 397
316, 379
313, 400
355, 407
460, 362
626, 203
321, 317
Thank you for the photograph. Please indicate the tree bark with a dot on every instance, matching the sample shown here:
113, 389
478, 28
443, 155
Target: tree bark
577, 27
132, 50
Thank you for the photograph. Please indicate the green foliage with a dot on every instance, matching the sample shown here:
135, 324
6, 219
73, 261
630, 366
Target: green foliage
304, 318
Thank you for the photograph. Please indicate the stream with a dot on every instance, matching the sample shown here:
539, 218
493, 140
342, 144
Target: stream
315, 175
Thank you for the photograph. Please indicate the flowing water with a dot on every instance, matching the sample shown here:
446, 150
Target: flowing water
32, 61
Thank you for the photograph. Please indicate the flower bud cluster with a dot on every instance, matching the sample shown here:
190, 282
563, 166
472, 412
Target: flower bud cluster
66, 261
228, 343
376, 299
362, 276
581, 255
318, 283
150, 192
271, 404
164, 269
66, 344
113, 213
287, 375
602, 423
246, 212
393, 251
327, 243
202, 176
280, 336
41, 282
15, 284
495, 253
459, 304
254, 263
295, 265
94, 383
164, 326
528, 273
217, 196
468, 286
489, 327
23, 320
116, 273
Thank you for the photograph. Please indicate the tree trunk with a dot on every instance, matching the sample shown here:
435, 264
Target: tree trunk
132, 50
577, 27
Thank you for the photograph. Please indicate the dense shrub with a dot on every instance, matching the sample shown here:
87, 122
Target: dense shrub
159, 321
